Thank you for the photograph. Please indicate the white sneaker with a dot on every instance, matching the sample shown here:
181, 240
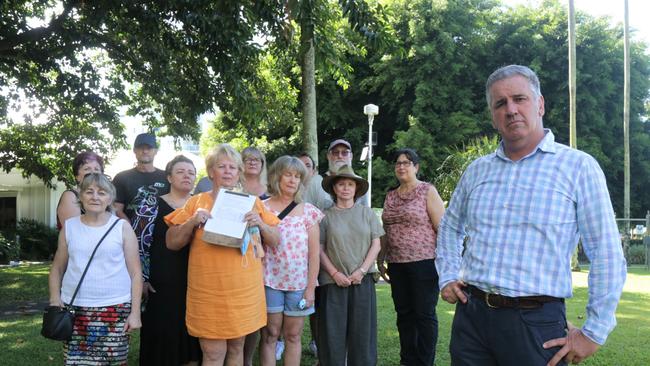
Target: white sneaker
279, 348
312, 348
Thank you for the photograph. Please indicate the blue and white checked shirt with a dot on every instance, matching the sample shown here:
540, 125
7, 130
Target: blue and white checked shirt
523, 219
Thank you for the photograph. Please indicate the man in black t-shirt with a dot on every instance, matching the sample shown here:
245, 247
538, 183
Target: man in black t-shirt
138, 190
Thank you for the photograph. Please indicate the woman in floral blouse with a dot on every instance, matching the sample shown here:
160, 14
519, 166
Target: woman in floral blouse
411, 216
291, 268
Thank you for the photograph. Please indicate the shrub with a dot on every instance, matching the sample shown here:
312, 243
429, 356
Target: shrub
9, 249
636, 255
37, 240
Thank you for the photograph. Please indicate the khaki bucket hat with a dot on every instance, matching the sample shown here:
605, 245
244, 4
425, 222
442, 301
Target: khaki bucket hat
345, 171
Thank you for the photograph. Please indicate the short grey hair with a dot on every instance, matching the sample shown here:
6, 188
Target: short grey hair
509, 71
280, 166
102, 182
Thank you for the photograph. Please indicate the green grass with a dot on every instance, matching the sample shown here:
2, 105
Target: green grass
629, 344
23, 283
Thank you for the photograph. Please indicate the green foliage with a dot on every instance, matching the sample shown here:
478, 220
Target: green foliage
430, 86
167, 61
636, 254
9, 249
452, 168
37, 240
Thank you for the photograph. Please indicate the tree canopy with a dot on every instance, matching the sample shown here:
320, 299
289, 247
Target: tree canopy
431, 91
77, 62
169, 61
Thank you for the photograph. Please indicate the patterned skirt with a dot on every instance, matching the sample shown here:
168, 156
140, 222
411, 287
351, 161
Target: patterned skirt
98, 336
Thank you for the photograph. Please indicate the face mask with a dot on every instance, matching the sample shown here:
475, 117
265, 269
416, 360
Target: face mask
248, 237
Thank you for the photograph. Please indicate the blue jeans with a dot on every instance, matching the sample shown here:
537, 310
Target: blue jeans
414, 288
484, 336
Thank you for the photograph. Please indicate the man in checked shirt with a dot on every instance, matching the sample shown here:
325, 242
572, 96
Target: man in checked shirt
520, 212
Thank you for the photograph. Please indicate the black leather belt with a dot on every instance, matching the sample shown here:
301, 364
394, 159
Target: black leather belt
500, 301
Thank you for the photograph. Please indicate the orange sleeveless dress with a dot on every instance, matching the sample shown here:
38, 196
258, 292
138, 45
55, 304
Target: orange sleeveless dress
225, 290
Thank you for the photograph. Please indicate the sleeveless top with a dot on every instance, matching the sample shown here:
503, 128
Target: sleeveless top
409, 230
107, 281
59, 224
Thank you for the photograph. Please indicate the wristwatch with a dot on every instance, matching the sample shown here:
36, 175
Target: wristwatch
363, 271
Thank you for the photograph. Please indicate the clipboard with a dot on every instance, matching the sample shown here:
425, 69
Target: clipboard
227, 225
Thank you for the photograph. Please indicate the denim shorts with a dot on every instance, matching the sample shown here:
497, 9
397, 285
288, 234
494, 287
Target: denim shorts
279, 301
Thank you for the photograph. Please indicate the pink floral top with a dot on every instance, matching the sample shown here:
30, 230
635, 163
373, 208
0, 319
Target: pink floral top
286, 266
409, 231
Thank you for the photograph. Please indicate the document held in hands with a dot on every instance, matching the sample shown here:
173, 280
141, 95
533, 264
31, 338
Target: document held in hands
227, 225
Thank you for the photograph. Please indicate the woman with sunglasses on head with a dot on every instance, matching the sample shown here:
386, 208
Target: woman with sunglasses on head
164, 339
411, 216
225, 288
68, 206
107, 305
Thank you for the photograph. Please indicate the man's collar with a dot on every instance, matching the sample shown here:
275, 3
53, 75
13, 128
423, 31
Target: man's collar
546, 145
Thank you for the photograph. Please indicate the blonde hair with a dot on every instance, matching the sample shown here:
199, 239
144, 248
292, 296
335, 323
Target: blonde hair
280, 166
224, 150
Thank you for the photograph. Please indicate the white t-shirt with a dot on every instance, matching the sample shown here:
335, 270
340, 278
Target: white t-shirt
107, 281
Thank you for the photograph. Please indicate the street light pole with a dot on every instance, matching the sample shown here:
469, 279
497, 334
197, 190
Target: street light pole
371, 111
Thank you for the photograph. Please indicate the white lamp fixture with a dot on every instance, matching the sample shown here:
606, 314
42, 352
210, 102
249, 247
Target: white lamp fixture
371, 111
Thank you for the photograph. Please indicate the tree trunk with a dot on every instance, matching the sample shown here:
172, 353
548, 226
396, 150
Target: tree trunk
308, 89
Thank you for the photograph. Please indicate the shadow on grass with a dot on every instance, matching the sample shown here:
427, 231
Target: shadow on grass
628, 344
21, 338
23, 283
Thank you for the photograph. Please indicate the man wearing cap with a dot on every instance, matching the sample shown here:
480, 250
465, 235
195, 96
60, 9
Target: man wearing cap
505, 242
137, 192
339, 153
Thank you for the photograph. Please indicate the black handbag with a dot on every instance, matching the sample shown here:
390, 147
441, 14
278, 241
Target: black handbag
58, 321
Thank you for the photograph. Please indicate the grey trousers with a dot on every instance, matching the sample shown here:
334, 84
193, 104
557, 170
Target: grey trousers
347, 321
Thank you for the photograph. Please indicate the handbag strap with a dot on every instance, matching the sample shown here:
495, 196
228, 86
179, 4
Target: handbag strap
287, 210
90, 260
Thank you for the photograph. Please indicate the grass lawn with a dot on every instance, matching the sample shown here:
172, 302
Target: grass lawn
629, 344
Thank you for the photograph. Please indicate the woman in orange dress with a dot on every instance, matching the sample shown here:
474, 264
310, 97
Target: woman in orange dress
225, 292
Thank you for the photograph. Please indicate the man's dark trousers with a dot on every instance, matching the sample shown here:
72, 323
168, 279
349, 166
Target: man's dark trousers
485, 336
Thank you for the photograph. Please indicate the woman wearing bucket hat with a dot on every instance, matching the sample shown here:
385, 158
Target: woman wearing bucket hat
349, 246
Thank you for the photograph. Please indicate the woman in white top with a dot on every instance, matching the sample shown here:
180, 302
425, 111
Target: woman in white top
107, 305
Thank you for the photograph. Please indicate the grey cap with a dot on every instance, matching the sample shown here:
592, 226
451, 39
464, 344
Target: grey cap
339, 142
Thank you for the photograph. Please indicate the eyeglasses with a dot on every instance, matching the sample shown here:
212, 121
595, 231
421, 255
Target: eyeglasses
252, 161
341, 153
403, 163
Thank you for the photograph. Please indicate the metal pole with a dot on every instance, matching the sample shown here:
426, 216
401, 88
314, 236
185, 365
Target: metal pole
646, 240
371, 111
371, 118
626, 131
573, 140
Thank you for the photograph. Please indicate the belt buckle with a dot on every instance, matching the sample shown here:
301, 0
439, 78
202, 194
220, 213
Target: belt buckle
487, 301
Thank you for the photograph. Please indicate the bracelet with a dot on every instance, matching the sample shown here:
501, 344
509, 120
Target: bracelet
364, 272
335, 274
